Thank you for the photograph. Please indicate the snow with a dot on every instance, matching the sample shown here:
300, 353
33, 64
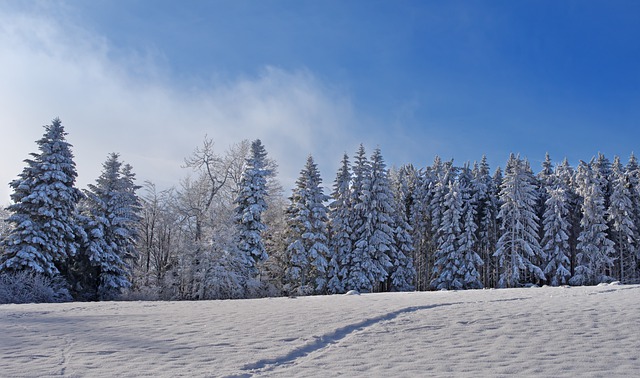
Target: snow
549, 331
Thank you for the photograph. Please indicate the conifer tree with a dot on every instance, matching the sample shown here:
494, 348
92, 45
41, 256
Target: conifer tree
486, 215
448, 260
307, 234
340, 228
250, 204
594, 258
45, 232
110, 217
555, 241
358, 265
621, 218
422, 235
632, 172
518, 246
403, 272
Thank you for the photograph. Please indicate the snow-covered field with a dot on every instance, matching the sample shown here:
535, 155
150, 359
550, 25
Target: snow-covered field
550, 332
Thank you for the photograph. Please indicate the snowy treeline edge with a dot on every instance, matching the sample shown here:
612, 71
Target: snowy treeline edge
227, 230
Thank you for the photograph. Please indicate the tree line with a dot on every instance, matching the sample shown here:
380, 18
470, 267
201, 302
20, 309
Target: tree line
228, 231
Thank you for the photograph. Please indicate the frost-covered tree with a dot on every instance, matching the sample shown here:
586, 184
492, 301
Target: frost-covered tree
307, 234
402, 273
448, 259
340, 228
621, 218
110, 217
486, 219
632, 172
457, 262
45, 232
358, 265
518, 246
250, 204
555, 243
594, 259
420, 222
380, 211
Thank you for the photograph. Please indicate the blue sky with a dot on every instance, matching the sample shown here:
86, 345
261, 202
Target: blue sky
457, 79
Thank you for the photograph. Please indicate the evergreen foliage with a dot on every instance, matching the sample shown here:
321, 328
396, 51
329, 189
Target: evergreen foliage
307, 234
250, 204
44, 233
110, 216
518, 246
340, 228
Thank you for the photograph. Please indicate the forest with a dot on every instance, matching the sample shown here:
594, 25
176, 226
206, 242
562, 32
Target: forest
228, 229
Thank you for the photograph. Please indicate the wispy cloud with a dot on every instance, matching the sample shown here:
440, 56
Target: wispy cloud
130, 105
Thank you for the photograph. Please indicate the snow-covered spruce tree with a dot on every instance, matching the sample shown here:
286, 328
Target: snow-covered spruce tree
307, 234
632, 172
518, 246
545, 179
486, 215
621, 218
467, 243
340, 228
45, 232
110, 216
420, 222
594, 259
555, 243
448, 259
565, 179
250, 204
380, 210
358, 265
403, 272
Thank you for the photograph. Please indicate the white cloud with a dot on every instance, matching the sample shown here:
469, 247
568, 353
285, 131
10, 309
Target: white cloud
50, 68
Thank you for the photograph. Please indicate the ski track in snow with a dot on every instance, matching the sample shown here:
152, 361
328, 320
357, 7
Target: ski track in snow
560, 332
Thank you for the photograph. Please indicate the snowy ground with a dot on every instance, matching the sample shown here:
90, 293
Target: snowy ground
577, 331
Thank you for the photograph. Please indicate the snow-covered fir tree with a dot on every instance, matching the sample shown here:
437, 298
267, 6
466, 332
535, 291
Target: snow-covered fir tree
250, 204
307, 234
594, 258
565, 179
467, 243
486, 219
518, 246
420, 222
621, 218
358, 265
555, 243
373, 245
380, 211
448, 260
340, 211
45, 232
110, 217
403, 272
632, 172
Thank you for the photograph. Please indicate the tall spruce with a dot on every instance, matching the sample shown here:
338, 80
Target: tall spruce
307, 234
594, 258
555, 242
45, 232
110, 218
358, 272
340, 229
518, 247
250, 204
621, 218
403, 273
